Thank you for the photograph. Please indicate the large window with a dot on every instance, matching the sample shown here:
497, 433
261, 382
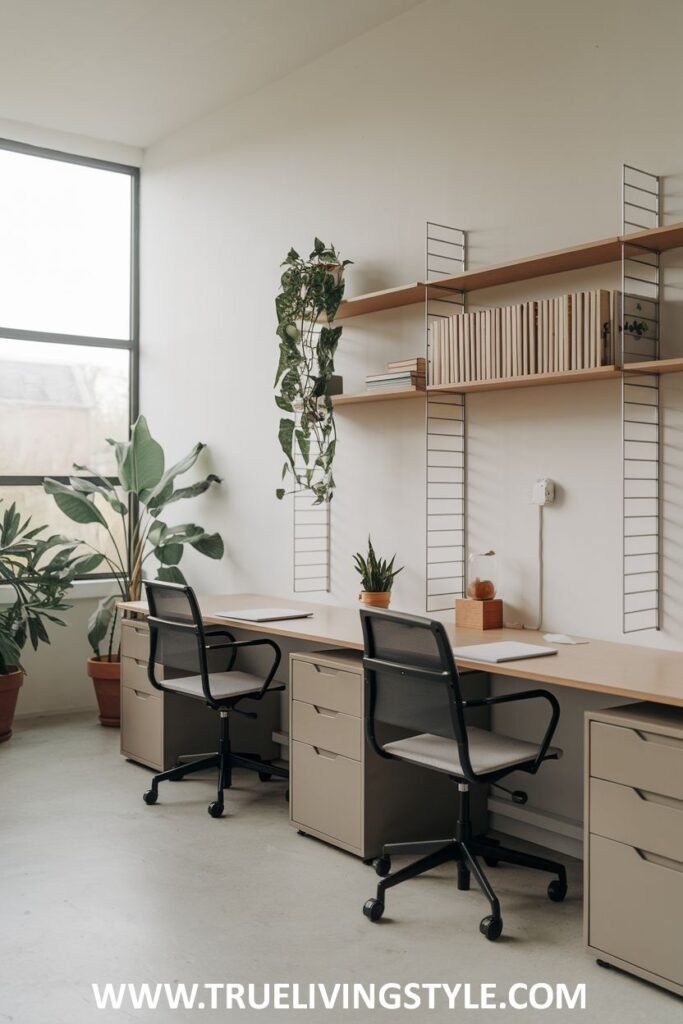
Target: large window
68, 322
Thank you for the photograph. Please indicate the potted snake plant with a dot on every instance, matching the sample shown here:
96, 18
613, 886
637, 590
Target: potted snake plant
145, 491
377, 577
39, 571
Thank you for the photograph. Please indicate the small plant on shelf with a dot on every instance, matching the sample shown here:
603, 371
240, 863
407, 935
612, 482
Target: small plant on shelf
377, 577
310, 294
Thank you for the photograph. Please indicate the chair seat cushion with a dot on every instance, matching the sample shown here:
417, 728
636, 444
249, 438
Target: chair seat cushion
489, 751
222, 685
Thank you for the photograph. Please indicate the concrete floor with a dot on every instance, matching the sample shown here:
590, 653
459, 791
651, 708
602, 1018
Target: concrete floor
98, 887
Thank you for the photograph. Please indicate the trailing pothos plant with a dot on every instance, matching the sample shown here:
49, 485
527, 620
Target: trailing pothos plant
146, 489
310, 294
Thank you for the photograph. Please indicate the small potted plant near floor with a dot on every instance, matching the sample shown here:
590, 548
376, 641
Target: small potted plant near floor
377, 577
39, 571
144, 492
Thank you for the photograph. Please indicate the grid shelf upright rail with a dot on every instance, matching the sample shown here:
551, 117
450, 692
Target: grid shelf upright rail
311, 525
445, 435
641, 405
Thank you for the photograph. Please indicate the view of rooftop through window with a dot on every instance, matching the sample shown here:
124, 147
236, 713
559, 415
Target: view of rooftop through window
67, 337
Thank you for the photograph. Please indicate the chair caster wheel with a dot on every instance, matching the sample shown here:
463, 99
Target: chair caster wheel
373, 909
382, 866
215, 809
491, 862
491, 927
557, 890
150, 797
265, 776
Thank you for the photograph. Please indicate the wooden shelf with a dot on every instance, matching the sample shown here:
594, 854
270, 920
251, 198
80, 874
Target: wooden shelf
532, 380
378, 396
656, 366
577, 257
502, 384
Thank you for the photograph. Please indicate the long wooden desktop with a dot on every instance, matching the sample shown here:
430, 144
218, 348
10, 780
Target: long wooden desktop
345, 796
617, 669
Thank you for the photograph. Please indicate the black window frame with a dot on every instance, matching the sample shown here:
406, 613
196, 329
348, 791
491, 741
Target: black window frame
131, 344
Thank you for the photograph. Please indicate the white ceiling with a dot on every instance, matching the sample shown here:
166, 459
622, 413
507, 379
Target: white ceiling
133, 71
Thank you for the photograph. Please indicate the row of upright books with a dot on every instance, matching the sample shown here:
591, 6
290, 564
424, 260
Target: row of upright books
568, 332
401, 374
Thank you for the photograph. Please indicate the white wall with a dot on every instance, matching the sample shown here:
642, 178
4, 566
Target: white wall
510, 119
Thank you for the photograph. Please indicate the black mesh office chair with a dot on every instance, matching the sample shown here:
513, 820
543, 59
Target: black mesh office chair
181, 644
411, 682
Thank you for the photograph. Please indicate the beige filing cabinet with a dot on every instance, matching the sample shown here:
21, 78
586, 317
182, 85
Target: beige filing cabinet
157, 728
341, 791
633, 891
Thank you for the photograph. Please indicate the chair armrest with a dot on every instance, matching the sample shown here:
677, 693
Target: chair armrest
259, 642
508, 698
212, 632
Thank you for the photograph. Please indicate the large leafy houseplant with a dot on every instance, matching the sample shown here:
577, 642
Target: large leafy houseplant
39, 571
310, 294
146, 490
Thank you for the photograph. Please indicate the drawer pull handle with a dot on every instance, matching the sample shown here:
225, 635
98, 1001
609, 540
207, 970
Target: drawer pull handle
657, 798
325, 670
662, 862
321, 752
142, 694
325, 712
661, 741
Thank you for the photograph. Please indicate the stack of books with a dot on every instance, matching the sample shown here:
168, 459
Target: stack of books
400, 375
568, 332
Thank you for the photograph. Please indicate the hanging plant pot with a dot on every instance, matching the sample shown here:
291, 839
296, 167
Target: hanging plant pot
375, 598
10, 683
106, 677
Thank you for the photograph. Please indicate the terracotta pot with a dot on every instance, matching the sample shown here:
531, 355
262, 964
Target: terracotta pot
9, 691
106, 675
375, 598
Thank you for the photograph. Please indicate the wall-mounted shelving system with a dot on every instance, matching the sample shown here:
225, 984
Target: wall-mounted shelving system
640, 400
447, 282
527, 268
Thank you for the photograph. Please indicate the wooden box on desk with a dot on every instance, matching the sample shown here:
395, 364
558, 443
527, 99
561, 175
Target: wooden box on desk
471, 614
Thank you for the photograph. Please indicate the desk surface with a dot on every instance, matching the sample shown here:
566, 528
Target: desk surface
621, 670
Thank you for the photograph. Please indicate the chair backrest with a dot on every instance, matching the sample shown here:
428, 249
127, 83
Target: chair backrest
176, 632
411, 680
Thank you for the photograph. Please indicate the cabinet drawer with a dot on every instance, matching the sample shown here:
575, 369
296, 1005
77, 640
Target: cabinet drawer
142, 716
332, 730
325, 793
635, 908
637, 758
327, 687
135, 639
134, 674
644, 820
